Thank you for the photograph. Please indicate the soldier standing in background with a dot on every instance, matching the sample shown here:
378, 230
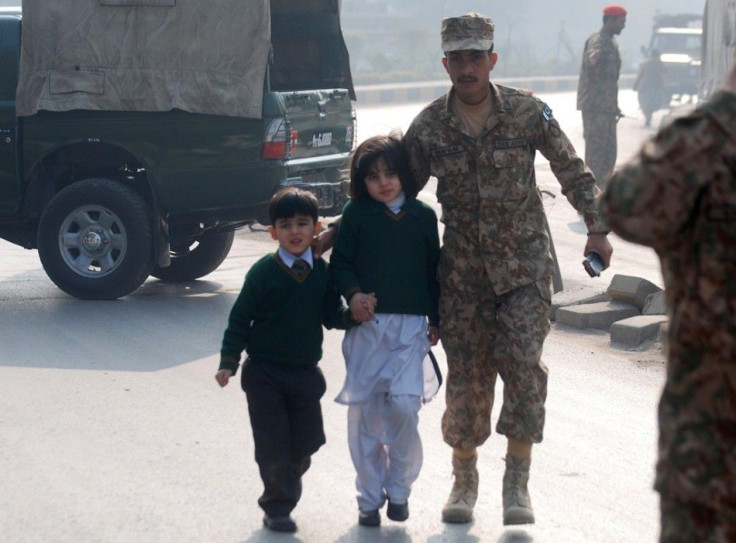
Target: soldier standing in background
678, 196
495, 270
598, 94
650, 86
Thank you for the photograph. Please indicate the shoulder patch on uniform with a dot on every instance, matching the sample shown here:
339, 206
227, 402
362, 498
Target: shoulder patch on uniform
547, 113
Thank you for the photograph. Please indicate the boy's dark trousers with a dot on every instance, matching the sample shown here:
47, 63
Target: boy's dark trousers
286, 419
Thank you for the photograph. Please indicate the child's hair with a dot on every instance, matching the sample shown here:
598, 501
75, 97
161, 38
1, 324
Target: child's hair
391, 151
292, 201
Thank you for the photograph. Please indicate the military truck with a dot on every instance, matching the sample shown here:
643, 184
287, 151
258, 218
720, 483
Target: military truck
678, 39
136, 136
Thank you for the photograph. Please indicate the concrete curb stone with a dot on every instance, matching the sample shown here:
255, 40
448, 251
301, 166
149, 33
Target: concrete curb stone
634, 331
656, 304
600, 315
633, 290
576, 296
633, 310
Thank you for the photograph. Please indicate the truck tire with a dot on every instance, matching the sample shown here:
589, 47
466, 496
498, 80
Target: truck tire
190, 261
95, 240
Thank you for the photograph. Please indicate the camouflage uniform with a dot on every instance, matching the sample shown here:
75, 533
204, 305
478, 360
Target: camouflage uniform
598, 100
495, 264
679, 197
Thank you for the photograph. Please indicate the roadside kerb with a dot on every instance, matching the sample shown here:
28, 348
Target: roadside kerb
426, 91
618, 310
636, 330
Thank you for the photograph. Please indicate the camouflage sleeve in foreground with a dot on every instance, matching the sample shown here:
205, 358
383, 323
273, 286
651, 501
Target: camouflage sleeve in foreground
679, 197
652, 198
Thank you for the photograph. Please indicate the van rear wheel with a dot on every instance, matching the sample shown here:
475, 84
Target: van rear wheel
197, 257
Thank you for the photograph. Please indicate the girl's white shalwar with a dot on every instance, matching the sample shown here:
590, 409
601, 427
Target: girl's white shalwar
383, 388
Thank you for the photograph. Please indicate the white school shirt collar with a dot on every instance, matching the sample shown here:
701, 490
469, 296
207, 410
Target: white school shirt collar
289, 258
395, 204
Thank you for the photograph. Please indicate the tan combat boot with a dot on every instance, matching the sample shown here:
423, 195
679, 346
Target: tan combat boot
459, 506
517, 505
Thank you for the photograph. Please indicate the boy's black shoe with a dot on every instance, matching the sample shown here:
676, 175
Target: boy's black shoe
369, 518
280, 524
397, 511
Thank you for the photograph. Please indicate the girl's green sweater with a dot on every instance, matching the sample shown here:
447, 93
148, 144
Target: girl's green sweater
393, 255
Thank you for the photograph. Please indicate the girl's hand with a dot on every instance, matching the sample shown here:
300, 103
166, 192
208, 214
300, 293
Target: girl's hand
222, 377
362, 306
433, 333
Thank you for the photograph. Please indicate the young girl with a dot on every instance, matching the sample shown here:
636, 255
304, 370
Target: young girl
388, 246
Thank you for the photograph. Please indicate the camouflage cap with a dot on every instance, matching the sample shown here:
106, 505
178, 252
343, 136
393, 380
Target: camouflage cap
471, 31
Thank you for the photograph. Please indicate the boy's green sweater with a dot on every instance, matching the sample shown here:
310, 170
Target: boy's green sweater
277, 318
393, 255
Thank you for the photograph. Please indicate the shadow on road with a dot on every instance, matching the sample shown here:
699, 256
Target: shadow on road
161, 325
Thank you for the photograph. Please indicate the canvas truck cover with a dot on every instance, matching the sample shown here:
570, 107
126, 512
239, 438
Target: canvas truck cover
144, 55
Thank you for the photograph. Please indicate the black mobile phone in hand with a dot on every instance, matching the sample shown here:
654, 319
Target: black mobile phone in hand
593, 264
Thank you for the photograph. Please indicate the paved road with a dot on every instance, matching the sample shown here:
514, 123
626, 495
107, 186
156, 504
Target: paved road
112, 428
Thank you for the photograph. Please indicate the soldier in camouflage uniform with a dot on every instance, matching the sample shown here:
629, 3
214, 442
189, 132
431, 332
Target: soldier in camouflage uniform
678, 196
495, 270
598, 94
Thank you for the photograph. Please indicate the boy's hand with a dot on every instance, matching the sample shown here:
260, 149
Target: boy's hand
433, 333
222, 377
362, 306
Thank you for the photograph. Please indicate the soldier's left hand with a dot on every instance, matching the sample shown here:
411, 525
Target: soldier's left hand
433, 333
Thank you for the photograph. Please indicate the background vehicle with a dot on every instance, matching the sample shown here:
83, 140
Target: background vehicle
678, 39
137, 136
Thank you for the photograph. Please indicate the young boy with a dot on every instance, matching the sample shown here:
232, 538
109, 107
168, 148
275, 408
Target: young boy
277, 319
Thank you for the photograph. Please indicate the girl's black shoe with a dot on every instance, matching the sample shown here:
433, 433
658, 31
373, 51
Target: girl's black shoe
369, 518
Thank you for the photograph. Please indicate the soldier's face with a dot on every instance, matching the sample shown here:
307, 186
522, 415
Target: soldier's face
618, 24
469, 71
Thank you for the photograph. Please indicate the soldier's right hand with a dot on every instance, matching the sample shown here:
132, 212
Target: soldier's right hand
222, 377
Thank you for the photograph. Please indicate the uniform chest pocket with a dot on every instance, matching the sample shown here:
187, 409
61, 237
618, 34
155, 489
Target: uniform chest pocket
450, 162
514, 168
516, 157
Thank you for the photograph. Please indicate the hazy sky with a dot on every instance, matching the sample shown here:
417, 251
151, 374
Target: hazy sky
541, 20
533, 25
538, 22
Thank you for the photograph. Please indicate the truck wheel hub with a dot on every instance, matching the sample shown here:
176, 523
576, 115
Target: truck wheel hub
94, 240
